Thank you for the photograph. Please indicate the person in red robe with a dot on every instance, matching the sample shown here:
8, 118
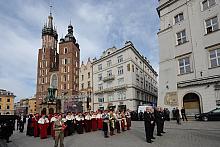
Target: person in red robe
99, 120
128, 119
35, 125
43, 125
94, 121
123, 122
52, 120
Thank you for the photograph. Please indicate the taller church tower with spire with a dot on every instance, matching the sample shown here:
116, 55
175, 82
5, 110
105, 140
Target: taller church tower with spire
55, 70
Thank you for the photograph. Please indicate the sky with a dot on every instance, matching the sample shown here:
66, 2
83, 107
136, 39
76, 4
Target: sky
98, 25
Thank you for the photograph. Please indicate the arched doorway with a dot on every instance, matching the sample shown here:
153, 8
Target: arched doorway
51, 111
191, 103
44, 111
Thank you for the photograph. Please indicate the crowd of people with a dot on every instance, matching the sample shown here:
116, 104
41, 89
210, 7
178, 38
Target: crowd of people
109, 121
59, 125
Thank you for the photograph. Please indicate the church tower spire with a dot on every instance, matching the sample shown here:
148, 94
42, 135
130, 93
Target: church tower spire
50, 19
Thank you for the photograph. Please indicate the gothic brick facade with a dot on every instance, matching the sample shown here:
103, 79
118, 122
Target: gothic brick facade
57, 70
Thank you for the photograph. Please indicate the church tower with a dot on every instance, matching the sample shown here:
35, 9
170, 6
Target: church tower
69, 58
48, 61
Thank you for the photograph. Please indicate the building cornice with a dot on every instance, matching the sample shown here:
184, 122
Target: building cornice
199, 81
166, 4
129, 46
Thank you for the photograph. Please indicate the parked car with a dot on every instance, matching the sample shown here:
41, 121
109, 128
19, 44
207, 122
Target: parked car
211, 115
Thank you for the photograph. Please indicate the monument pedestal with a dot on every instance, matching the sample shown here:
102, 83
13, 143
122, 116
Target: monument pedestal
50, 108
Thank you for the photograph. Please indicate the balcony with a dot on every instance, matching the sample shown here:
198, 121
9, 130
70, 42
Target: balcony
111, 89
108, 78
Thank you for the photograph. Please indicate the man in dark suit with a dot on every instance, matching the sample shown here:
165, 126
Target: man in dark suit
177, 114
153, 124
148, 124
162, 120
183, 113
158, 120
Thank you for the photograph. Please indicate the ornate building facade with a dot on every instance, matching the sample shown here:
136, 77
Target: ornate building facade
57, 71
189, 55
123, 79
85, 84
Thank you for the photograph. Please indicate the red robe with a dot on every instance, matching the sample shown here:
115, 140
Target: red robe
123, 124
35, 125
94, 124
43, 125
43, 130
99, 121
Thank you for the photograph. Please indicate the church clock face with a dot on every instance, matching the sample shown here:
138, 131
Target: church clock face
54, 81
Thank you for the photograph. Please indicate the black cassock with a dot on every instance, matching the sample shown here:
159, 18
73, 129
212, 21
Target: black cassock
79, 126
30, 128
148, 125
69, 128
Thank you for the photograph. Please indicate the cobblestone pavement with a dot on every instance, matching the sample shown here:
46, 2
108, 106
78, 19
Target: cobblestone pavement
189, 134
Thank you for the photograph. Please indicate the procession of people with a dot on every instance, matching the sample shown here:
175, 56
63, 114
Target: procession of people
60, 125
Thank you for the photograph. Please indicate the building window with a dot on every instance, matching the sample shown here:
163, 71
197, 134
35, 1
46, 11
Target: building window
76, 54
65, 61
214, 57
0, 99
120, 81
109, 63
120, 70
82, 77
64, 77
99, 77
110, 97
64, 86
121, 95
43, 81
8, 107
178, 18
82, 86
44, 50
89, 85
211, 25
88, 75
120, 58
65, 50
184, 65
43, 57
128, 67
100, 67
100, 86
101, 99
109, 73
65, 69
0, 107
206, 4
181, 37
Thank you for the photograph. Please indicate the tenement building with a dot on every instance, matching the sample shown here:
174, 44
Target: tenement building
189, 39
57, 71
6, 102
85, 85
123, 79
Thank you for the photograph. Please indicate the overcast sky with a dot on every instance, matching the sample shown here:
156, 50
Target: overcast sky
98, 25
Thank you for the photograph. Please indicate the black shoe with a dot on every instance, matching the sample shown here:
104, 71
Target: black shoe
163, 132
153, 138
159, 135
149, 141
106, 136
